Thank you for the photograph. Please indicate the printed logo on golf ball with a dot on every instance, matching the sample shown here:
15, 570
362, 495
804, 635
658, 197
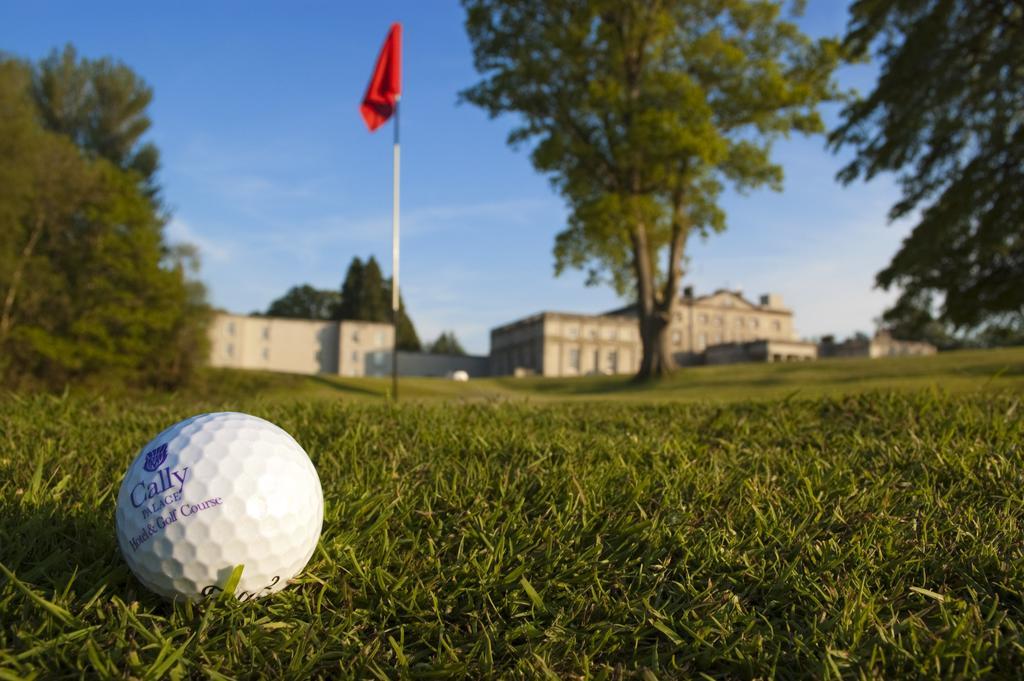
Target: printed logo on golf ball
213, 492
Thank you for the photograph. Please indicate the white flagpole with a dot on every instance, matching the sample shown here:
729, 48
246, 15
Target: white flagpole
394, 260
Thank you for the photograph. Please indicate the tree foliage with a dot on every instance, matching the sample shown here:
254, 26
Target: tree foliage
366, 296
641, 111
101, 105
913, 317
88, 287
363, 295
946, 115
306, 302
446, 344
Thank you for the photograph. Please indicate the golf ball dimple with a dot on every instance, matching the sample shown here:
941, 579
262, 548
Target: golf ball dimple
213, 492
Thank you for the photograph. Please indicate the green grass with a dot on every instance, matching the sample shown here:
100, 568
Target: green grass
513, 534
955, 372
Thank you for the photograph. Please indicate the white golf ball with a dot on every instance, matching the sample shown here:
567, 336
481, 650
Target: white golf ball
213, 492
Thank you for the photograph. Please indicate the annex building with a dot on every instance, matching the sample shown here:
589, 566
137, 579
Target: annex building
309, 346
721, 327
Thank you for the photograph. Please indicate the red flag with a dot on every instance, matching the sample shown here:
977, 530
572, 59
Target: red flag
386, 83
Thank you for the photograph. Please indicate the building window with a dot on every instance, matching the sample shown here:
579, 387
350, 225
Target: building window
231, 328
380, 338
610, 333
777, 325
593, 334
573, 332
677, 338
753, 322
230, 350
716, 339
613, 362
266, 333
574, 359
702, 341
378, 358
355, 357
703, 319
718, 320
355, 336
266, 353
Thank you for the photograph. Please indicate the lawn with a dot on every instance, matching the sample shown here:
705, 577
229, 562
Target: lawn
955, 372
805, 531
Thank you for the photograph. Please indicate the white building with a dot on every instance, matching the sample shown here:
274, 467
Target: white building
311, 346
301, 346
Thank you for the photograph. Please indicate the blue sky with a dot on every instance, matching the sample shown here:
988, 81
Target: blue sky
268, 168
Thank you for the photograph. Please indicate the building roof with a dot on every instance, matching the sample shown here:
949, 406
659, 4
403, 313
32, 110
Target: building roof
530, 319
697, 300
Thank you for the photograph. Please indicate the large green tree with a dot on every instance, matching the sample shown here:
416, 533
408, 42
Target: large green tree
88, 287
102, 106
306, 302
362, 293
641, 111
946, 115
366, 296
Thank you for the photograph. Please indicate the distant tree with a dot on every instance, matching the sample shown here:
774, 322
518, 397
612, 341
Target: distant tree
102, 106
188, 342
366, 296
945, 114
641, 110
306, 302
89, 289
352, 291
408, 339
912, 318
1008, 330
446, 344
375, 303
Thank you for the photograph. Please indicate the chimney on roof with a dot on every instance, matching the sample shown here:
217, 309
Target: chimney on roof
688, 292
773, 300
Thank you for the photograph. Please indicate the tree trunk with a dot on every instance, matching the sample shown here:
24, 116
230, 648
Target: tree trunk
7, 315
655, 308
657, 359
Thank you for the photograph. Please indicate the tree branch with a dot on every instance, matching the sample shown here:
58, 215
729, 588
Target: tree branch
7, 317
680, 231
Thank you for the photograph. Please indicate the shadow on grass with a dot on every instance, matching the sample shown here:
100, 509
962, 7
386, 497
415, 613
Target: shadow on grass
590, 385
56, 551
345, 387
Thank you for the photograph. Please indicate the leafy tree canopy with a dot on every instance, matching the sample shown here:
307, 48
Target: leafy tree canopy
913, 317
306, 302
641, 111
366, 296
89, 290
101, 105
945, 115
446, 344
